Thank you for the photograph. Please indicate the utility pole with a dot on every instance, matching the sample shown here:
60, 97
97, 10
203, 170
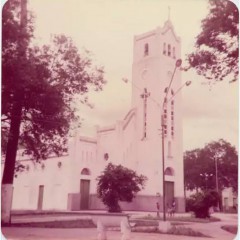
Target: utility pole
216, 170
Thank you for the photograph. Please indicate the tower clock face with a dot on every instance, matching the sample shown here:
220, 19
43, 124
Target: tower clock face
144, 74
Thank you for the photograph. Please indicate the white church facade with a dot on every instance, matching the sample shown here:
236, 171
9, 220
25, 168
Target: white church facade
69, 182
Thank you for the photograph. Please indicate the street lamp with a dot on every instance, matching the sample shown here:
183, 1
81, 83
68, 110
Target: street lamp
206, 176
165, 101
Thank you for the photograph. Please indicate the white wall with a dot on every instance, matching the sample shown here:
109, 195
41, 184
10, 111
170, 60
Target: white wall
51, 176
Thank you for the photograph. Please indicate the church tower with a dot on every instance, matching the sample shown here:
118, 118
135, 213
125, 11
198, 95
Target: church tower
154, 66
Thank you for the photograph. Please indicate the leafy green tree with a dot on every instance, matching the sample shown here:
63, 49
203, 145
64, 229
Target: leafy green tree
38, 86
204, 161
216, 48
191, 174
118, 183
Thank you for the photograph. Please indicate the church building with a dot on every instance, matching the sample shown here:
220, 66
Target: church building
69, 182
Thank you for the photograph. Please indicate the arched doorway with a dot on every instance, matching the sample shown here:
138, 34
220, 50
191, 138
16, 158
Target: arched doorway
84, 189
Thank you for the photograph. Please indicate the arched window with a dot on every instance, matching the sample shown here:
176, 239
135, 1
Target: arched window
85, 171
146, 49
169, 171
164, 49
169, 50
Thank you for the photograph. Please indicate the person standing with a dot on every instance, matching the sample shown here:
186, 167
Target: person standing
173, 207
158, 209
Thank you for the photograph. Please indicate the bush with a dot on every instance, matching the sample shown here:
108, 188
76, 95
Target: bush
200, 203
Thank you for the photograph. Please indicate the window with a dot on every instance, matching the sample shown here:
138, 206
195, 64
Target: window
169, 148
164, 49
165, 119
146, 49
172, 124
174, 55
106, 156
85, 171
169, 50
169, 171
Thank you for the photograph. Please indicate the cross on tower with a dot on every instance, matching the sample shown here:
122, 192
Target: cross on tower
144, 96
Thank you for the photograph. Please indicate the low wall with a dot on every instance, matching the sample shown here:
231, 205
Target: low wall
140, 203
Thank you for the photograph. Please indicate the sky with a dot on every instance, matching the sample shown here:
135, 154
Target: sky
107, 28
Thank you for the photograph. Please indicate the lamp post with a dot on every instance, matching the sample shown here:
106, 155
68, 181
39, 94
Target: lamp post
187, 83
177, 64
216, 169
216, 157
206, 177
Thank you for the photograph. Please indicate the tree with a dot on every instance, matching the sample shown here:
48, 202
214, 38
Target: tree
216, 48
118, 183
191, 174
203, 161
38, 86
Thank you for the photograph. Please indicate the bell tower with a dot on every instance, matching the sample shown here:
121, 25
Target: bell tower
154, 57
154, 60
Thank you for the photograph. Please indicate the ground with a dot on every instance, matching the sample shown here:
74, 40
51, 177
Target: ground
212, 229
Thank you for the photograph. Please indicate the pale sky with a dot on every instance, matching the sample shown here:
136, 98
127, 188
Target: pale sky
107, 28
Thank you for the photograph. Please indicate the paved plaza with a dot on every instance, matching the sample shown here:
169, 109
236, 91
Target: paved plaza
212, 229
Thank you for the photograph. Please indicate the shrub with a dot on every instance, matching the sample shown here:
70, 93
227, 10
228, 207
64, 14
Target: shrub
200, 203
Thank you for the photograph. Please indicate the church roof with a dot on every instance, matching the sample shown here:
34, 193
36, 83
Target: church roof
168, 26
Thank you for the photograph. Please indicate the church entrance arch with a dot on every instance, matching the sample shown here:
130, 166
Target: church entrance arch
84, 189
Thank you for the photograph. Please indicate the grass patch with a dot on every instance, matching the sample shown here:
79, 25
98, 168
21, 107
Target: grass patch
183, 219
155, 223
186, 232
173, 231
79, 223
230, 228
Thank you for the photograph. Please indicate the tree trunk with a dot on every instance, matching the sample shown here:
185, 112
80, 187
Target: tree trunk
6, 201
12, 144
9, 165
